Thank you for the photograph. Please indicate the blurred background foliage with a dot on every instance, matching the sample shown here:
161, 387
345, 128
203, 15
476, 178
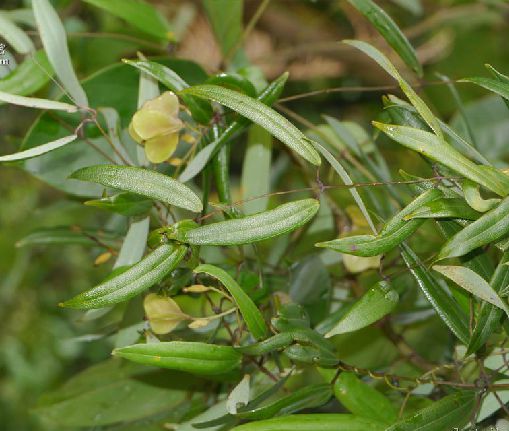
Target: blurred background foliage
42, 345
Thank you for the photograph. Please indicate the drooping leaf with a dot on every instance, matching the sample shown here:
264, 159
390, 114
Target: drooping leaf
390, 32
192, 357
260, 114
473, 283
252, 316
372, 306
144, 182
54, 40
33, 102
149, 271
37, 151
283, 219
139, 14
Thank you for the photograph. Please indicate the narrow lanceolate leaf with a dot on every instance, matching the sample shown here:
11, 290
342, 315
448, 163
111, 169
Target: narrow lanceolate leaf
15, 37
432, 147
250, 313
363, 400
415, 100
452, 411
138, 13
149, 271
144, 182
54, 40
283, 219
33, 102
504, 79
192, 357
389, 31
37, 151
489, 228
314, 422
445, 306
377, 302
260, 114
445, 208
395, 231
473, 283
494, 85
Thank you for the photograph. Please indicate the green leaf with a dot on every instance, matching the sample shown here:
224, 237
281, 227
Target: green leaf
127, 204
452, 411
15, 36
395, 231
377, 302
33, 102
276, 342
415, 100
363, 400
496, 86
445, 208
144, 182
283, 219
192, 357
500, 77
445, 306
260, 114
389, 31
226, 19
29, 77
134, 243
149, 271
250, 313
139, 14
54, 40
37, 151
473, 283
489, 228
65, 235
239, 396
474, 198
432, 147
314, 422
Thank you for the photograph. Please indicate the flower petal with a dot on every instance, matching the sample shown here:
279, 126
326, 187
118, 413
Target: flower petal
160, 148
167, 102
134, 135
149, 124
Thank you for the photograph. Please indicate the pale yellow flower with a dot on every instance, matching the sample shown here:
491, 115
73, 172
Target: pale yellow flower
156, 126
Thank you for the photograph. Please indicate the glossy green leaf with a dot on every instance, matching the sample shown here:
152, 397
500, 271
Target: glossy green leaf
395, 231
127, 204
445, 208
389, 31
233, 81
144, 182
54, 40
377, 302
33, 102
15, 36
432, 147
314, 422
252, 316
260, 114
139, 14
29, 76
37, 151
307, 397
452, 411
474, 198
445, 306
192, 357
363, 400
473, 283
489, 228
149, 271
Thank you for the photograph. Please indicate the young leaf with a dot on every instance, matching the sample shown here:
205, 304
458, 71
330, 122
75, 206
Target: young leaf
489, 228
54, 40
260, 114
473, 283
283, 219
251, 314
432, 147
452, 411
149, 271
389, 31
138, 13
363, 400
33, 102
314, 422
445, 306
15, 37
377, 302
191, 357
163, 313
144, 182
37, 151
